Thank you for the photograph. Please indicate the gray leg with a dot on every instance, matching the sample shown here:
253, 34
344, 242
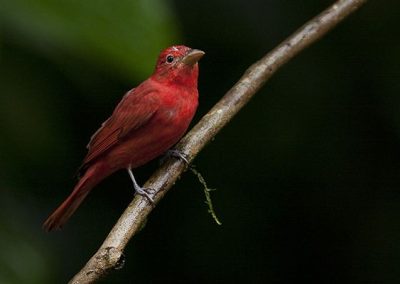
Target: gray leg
138, 189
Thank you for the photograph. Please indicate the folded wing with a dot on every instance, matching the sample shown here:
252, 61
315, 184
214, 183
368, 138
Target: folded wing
133, 112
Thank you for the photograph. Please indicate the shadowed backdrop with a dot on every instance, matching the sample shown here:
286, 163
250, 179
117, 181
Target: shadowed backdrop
307, 175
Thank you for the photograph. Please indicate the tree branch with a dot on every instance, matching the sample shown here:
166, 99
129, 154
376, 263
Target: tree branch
110, 254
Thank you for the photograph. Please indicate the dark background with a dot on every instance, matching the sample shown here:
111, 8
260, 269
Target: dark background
307, 175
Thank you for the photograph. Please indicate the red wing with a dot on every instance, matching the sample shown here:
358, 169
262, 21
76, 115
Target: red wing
132, 112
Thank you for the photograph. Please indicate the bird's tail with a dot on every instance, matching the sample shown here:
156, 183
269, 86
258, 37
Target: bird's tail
58, 218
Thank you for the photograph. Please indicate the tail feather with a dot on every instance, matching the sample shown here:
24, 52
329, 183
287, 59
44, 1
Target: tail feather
58, 218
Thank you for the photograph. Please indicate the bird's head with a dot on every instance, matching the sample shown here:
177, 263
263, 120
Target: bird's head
178, 64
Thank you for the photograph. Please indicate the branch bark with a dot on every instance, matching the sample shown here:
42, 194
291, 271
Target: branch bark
110, 254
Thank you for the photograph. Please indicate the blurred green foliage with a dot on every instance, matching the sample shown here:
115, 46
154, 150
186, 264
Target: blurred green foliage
307, 174
123, 35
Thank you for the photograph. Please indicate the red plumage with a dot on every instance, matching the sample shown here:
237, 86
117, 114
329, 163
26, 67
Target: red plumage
148, 121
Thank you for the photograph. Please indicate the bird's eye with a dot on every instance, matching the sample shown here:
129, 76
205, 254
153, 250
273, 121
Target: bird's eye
170, 58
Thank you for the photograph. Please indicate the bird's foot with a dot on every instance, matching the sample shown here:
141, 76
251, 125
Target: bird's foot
143, 191
176, 154
146, 192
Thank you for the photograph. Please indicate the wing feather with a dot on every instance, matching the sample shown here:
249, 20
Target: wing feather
135, 109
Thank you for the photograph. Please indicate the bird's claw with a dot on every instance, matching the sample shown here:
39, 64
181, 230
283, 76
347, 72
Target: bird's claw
176, 154
144, 191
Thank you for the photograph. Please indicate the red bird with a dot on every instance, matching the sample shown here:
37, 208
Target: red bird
148, 121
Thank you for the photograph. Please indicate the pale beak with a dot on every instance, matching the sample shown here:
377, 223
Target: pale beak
192, 57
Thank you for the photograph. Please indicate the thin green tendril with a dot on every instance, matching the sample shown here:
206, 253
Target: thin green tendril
207, 194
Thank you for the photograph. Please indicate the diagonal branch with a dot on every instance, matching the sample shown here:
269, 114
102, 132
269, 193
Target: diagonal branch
110, 254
